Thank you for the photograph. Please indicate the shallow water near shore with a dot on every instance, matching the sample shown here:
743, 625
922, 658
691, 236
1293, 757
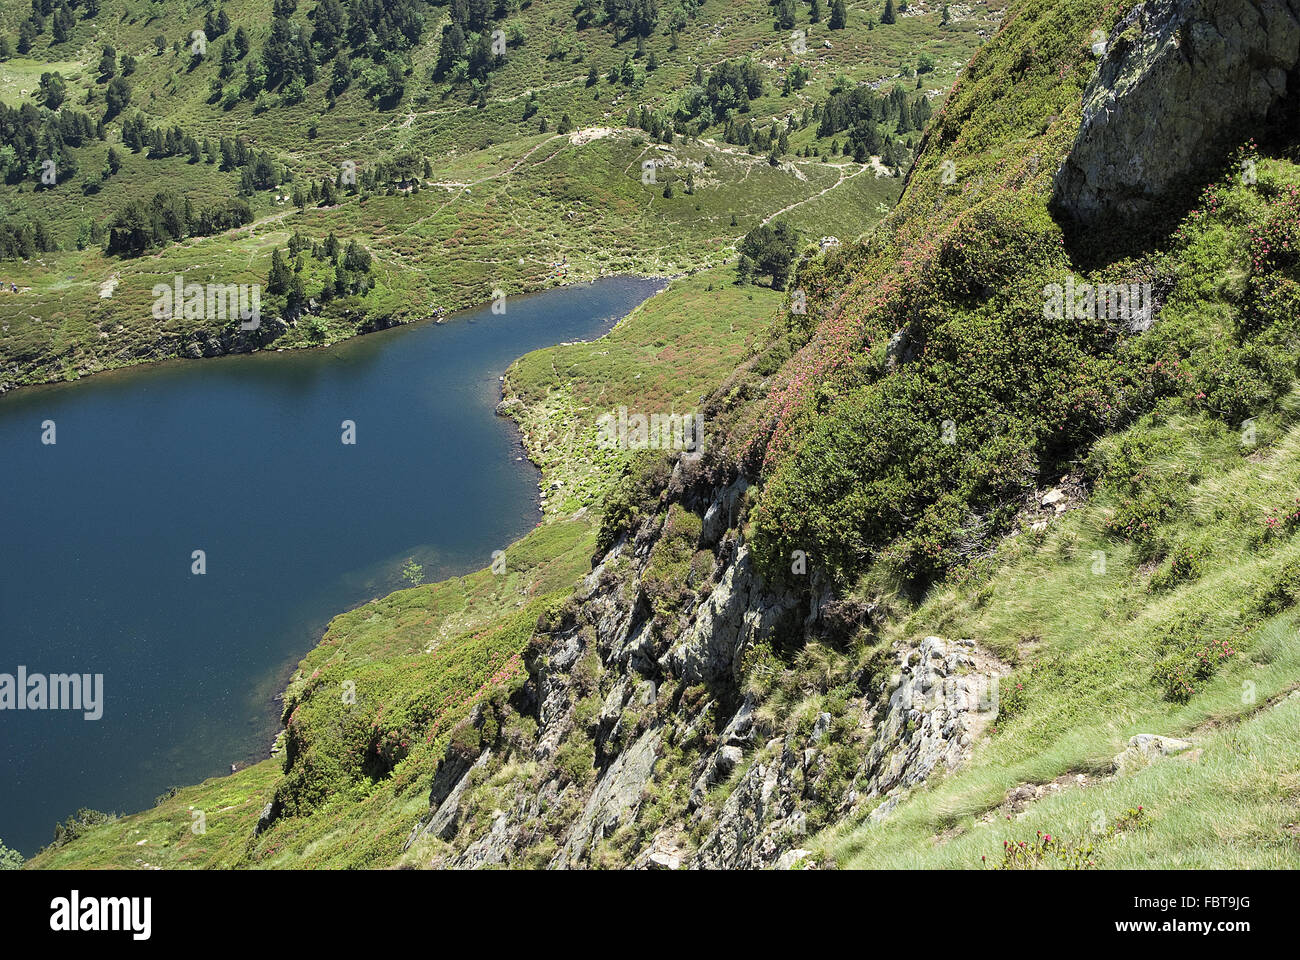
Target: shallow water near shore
242, 457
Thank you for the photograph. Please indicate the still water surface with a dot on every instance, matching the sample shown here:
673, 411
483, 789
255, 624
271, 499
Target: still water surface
241, 457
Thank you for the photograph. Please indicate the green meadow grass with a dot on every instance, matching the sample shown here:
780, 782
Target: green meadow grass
503, 203
20, 77
651, 362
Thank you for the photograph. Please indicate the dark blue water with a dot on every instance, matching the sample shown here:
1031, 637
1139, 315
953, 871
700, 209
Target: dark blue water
241, 457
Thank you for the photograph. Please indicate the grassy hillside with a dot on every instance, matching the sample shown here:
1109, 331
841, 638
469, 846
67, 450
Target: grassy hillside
1196, 639
1162, 600
523, 180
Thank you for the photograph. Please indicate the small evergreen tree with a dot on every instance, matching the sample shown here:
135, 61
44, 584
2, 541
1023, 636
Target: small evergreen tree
278, 279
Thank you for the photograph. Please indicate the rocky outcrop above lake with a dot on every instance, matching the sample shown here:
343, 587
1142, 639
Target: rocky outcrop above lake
648, 741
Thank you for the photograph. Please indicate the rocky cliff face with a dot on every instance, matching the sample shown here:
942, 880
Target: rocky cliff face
650, 737
1180, 84
682, 711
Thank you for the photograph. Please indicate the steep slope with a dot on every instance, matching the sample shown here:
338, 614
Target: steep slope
701, 703
964, 551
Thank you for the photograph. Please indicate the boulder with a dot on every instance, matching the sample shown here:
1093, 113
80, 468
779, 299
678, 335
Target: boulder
1181, 83
1146, 747
796, 859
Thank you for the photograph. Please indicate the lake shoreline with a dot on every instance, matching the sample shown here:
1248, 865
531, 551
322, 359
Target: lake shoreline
371, 325
244, 461
530, 458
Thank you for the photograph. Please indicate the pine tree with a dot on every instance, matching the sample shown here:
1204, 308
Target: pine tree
839, 15
107, 65
785, 15
356, 259
26, 36
117, 96
278, 279
889, 16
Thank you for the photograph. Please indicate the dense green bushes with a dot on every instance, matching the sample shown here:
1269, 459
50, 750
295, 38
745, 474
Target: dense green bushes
919, 452
633, 495
991, 388
141, 224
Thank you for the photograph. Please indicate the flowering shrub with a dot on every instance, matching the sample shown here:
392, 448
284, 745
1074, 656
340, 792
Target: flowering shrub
1238, 380
1013, 692
1022, 855
1282, 521
1049, 848
1138, 517
1182, 566
1187, 657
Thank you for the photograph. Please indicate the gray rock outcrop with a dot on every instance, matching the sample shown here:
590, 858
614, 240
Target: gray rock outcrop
1180, 84
649, 749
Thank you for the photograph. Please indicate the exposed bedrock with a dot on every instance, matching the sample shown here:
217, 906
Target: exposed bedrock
1181, 83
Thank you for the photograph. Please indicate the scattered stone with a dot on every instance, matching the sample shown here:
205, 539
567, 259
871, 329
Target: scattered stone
794, 859
1146, 748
